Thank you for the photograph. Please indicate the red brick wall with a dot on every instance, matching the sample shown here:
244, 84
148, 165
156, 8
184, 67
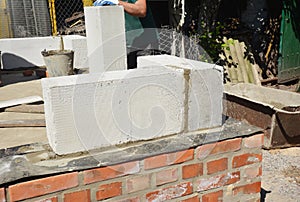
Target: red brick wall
229, 170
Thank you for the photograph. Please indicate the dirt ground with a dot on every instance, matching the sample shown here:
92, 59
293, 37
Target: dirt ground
281, 175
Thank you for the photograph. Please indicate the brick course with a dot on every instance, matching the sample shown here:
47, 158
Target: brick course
42, 186
231, 170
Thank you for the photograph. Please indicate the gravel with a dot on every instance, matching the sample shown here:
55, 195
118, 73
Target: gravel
281, 175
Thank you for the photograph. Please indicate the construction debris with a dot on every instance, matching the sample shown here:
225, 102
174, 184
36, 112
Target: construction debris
240, 66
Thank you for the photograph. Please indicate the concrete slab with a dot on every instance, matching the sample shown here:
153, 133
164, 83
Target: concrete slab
85, 112
205, 88
105, 30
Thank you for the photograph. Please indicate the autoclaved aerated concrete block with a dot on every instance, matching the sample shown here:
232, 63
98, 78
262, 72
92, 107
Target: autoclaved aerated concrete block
79, 45
205, 88
15, 52
105, 30
84, 112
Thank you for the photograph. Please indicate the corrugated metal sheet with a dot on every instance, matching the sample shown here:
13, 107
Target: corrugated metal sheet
238, 67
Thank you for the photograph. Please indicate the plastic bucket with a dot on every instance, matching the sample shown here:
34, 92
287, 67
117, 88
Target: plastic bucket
59, 62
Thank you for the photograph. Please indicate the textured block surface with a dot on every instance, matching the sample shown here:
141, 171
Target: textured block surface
205, 88
105, 30
85, 112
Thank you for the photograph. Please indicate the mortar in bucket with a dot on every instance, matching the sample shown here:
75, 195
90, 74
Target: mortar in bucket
59, 62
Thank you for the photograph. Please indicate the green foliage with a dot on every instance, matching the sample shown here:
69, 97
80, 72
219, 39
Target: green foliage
211, 40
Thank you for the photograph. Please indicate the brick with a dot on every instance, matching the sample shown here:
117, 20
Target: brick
168, 159
219, 147
53, 199
42, 186
110, 172
247, 189
180, 157
246, 159
166, 176
135, 199
252, 172
109, 190
193, 170
193, 199
82, 196
155, 162
255, 141
137, 183
170, 192
2, 195
213, 197
217, 165
217, 181
204, 151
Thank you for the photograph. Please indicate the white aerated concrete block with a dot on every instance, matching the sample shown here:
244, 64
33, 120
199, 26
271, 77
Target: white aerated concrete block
105, 30
85, 112
205, 88
79, 45
26, 52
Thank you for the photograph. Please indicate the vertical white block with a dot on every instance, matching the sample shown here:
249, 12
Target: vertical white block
205, 89
79, 45
106, 42
84, 112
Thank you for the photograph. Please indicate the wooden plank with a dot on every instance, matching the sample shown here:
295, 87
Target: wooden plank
37, 109
25, 100
22, 123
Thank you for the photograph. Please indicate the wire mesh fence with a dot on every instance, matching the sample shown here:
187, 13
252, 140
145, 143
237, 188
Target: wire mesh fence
68, 16
176, 43
24, 18
30, 18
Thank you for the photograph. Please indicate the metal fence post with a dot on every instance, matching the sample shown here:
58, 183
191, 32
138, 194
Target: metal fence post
53, 17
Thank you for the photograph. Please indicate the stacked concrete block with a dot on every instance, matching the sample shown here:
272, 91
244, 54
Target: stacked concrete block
15, 52
204, 89
79, 45
85, 112
105, 30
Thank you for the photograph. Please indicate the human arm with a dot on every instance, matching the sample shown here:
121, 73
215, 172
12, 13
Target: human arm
138, 9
